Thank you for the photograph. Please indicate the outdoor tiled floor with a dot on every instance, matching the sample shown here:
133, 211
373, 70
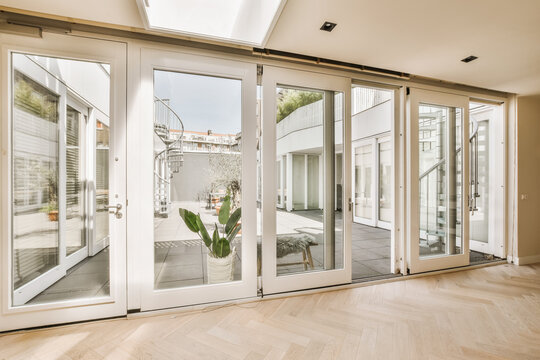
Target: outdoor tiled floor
180, 262
89, 278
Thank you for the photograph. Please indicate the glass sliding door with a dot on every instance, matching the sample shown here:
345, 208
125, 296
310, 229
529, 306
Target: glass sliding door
55, 103
303, 242
439, 201
373, 182
201, 185
101, 187
51, 156
385, 183
35, 176
77, 153
363, 183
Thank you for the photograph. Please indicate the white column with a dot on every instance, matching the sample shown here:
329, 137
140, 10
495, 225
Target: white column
281, 182
321, 182
289, 202
306, 174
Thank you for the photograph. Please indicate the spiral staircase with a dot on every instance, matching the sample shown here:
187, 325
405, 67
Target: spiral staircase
168, 156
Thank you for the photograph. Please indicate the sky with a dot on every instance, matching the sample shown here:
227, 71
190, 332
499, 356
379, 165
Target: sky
202, 102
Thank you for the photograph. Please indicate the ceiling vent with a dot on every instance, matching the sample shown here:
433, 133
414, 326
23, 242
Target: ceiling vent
328, 26
470, 58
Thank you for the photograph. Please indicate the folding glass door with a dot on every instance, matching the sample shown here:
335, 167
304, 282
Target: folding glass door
304, 220
60, 246
438, 149
198, 179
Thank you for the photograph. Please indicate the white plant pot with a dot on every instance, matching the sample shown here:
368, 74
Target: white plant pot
220, 270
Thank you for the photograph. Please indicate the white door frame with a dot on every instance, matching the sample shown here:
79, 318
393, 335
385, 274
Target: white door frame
152, 59
272, 283
415, 262
70, 47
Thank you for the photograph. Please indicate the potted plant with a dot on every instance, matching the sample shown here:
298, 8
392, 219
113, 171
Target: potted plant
52, 211
52, 205
220, 259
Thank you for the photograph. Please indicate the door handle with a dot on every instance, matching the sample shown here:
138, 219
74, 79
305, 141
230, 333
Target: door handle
115, 209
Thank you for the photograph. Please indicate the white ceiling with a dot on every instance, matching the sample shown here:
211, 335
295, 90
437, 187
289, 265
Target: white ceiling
421, 37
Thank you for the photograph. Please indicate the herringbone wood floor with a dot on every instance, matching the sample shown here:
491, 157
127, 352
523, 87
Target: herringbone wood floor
488, 313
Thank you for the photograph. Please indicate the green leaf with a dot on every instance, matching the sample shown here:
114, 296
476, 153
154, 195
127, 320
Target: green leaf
223, 248
190, 219
215, 238
233, 220
235, 231
224, 211
204, 234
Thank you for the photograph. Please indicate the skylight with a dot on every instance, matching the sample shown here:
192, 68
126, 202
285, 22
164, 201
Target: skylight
245, 22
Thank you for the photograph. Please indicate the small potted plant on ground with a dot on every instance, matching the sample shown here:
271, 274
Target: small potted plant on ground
220, 259
52, 205
52, 211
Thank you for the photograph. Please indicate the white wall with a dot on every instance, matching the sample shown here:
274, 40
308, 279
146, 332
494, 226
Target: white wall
528, 128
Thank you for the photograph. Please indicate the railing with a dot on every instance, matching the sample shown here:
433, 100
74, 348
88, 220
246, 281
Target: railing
171, 157
473, 170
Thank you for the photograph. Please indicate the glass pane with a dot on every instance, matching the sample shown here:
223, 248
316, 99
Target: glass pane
385, 181
51, 257
371, 126
363, 160
197, 168
35, 178
440, 175
309, 235
102, 181
75, 206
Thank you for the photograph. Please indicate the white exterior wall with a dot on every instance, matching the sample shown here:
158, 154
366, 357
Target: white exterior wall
89, 80
301, 133
373, 121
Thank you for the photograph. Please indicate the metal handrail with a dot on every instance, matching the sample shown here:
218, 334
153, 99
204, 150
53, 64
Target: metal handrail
432, 168
174, 113
458, 150
473, 183
163, 138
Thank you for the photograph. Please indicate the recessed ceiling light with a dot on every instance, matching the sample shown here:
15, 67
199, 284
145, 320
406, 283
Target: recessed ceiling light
328, 26
469, 58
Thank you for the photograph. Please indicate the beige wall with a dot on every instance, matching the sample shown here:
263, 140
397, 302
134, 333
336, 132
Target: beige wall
528, 132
